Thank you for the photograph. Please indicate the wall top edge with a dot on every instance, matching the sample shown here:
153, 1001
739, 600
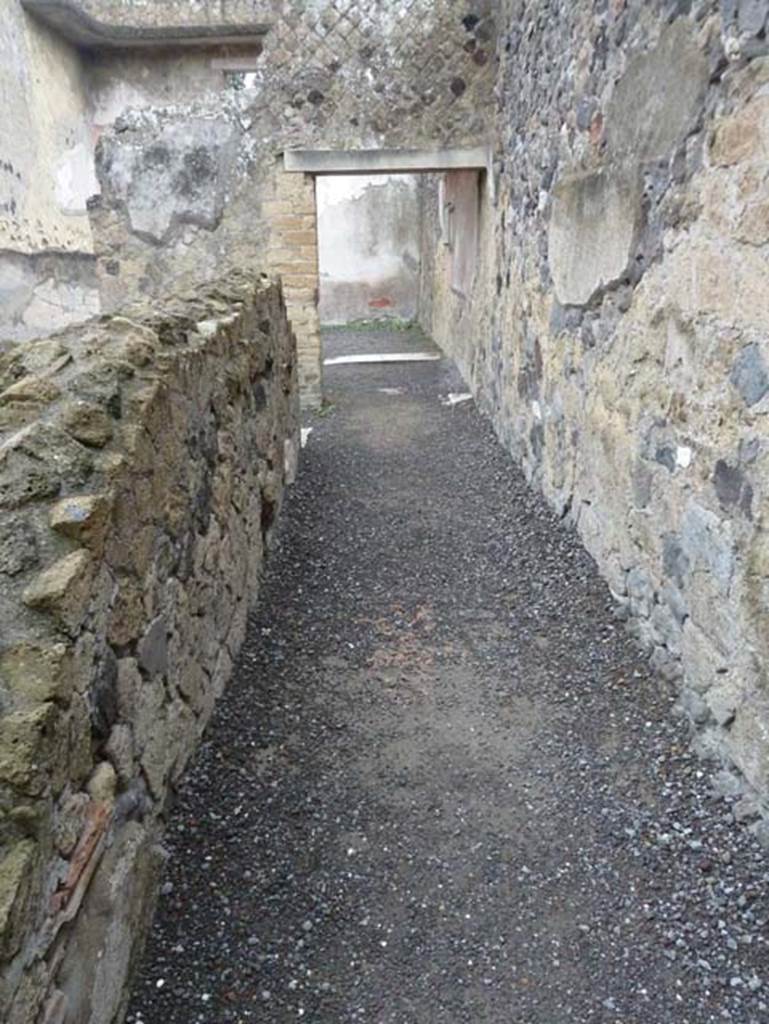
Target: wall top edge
91, 24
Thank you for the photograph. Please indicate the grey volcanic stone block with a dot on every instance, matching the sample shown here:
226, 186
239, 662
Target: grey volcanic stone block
750, 375
153, 648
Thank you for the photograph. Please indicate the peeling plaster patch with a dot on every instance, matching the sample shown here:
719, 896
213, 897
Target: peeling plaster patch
75, 179
56, 303
170, 175
592, 230
44, 293
16, 286
45, 177
114, 99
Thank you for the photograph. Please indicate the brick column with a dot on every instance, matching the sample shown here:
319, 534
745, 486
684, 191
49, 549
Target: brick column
293, 253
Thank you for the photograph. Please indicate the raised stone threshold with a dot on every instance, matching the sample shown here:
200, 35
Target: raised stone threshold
70, 19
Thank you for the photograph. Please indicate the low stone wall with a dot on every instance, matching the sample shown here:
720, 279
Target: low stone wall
142, 465
617, 327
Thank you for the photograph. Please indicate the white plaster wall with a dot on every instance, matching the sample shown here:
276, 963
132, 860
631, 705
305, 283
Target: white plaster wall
46, 143
121, 82
368, 247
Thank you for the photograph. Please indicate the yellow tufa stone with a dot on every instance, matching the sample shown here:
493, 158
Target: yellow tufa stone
88, 423
34, 675
63, 589
15, 888
82, 517
740, 137
22, 748
33, 389
103, 783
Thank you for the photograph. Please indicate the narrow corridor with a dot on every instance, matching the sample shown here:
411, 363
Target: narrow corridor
442, 787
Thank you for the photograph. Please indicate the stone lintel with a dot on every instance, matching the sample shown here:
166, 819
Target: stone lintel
72, 21
385, 161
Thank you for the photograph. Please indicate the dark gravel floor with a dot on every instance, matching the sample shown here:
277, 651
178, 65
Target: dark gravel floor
443, 786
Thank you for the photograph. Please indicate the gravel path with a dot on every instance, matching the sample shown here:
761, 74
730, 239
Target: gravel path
443, 786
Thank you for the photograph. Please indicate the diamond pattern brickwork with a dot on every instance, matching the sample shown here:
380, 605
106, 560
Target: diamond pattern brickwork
379, 72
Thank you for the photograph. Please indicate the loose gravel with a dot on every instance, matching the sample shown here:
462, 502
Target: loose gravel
443, 786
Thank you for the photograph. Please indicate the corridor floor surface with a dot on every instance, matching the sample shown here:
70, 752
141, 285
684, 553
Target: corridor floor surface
443, 786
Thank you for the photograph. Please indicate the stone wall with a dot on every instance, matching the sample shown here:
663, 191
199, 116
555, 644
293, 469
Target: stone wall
292, 252
617, 326
368, 238
191, 137
142, 464
47, 267
191, 151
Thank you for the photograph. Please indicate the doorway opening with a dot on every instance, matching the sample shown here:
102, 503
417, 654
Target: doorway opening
368, 248
347, 238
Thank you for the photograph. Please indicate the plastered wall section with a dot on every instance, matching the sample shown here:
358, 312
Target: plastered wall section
47, 274
143, 460
616, 332
46, 149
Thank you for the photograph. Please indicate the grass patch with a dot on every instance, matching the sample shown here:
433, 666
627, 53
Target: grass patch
326, 408
379, 324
